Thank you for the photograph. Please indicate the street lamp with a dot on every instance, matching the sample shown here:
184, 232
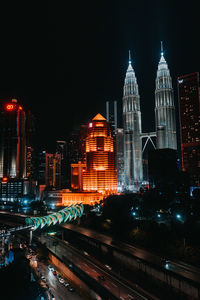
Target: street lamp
178, 216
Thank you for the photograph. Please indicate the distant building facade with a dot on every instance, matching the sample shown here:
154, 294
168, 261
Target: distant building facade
17, 168
77, 171
111, 115
61, 148
189, 113
12, 141
120, 158
164, 174
53, 170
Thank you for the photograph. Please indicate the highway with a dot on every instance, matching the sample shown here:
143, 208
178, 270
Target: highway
179, 268
52, 284
108, 281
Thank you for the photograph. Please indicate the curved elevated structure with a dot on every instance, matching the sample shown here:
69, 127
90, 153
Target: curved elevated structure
66, 214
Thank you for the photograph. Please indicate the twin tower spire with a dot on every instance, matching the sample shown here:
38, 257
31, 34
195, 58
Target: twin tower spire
164, 119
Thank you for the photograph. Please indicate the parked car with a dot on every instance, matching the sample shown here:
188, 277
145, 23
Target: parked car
61, 280
43, 278
66, 284
50, 268
52, 296
108, 267
70, 288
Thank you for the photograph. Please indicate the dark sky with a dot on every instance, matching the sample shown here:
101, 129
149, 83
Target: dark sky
64, 61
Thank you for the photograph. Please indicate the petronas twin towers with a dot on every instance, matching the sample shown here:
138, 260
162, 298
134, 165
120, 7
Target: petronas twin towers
164, 117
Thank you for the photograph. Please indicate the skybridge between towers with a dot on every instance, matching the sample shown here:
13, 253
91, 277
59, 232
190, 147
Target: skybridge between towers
148, 136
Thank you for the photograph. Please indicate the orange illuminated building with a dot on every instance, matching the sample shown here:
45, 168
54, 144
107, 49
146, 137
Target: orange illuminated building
89, 198
92, 181
77, 175
100, 174
66, 197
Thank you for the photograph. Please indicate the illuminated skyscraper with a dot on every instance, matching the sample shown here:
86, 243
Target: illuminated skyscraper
53, 170
12, 141
30, 146
62, 150
111, 115
133, 173
164, 107
189, 111
100, 174
119, 155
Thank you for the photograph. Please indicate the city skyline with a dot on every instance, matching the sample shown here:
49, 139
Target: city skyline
97, 51
100, 150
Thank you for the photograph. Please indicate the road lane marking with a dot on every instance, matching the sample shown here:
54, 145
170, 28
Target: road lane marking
113, 284
85, 264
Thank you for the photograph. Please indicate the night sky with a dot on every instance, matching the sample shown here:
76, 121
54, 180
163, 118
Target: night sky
63, 62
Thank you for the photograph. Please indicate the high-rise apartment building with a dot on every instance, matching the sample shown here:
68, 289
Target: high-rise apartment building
100, 174
111, 115
133, 172
12, 141
189, 113
62, 150
81, 143
164, 107
30, 146
119, 156
53, 170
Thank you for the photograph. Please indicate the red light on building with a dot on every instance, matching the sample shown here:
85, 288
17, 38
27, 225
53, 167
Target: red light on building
5, 179
20, 107
9, 107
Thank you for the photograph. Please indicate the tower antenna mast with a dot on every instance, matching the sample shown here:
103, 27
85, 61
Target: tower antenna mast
129, 56
161, 48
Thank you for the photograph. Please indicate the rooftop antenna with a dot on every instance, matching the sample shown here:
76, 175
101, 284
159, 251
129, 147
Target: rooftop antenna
129, 55
161, 48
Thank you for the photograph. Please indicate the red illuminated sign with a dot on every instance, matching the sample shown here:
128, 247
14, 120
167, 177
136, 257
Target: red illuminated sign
9, 106
5, 179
